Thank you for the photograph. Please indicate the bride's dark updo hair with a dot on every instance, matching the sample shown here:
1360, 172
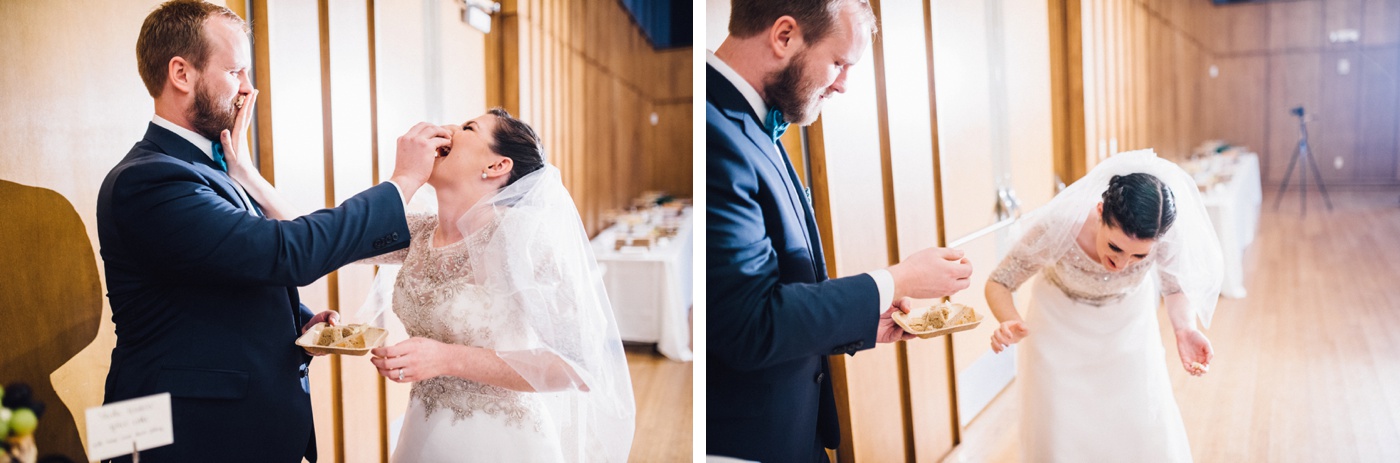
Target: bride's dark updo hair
516, 140
1140, 205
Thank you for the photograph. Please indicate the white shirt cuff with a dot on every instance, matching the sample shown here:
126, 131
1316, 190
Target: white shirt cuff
884, 282
400, 190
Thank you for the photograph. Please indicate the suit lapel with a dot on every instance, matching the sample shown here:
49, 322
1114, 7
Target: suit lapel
813, 236
736, 108
179, 148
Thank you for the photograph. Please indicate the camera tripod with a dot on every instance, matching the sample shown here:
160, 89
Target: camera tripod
1303, 150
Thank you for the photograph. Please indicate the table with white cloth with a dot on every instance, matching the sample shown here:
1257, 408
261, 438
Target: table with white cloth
1232, 196
651, 288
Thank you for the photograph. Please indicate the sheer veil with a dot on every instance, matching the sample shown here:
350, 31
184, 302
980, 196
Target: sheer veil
1188, 254
532, 255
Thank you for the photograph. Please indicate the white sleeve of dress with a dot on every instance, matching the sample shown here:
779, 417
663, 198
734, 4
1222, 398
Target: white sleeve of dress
1027, 256
1169, 284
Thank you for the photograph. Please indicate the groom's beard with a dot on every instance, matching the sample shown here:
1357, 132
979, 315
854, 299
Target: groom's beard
792, 94
208, 115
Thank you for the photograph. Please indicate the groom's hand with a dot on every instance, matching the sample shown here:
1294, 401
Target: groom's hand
329, 317
890, 331
931, 273
417, 151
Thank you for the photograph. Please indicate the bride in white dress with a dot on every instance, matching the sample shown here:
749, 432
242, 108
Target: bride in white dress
514, 355
1090, 373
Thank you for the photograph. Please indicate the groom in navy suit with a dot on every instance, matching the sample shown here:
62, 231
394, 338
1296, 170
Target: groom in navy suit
203, 287
774, 315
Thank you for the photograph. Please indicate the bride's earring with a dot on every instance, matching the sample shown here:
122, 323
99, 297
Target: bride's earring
483, 175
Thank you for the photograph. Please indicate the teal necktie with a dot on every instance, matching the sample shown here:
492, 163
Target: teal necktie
774, 124
219, 156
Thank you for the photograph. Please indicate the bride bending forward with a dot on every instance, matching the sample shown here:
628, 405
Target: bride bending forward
1093, 386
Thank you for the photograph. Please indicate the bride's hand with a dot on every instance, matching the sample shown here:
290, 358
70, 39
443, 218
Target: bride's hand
236, 152
1010, 332
1195, 351
416, 359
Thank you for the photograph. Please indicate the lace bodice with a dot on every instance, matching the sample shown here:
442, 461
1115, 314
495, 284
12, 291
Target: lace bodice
1080, 277
435, 298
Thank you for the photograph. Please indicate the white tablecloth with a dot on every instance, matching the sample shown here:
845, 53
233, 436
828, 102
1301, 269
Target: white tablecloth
651, 292
1233, 206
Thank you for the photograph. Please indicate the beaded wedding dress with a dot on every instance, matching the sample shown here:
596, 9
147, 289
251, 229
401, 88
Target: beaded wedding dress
521, 283
1091, 371
1091, 374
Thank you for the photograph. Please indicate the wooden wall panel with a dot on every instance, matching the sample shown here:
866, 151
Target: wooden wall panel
1092, 43
588, 81
1379, 113
847, 167
1241, 83
962, 88
1296, 25
906, 94
1113, 99
1342, 14
910, 132
1380, 22
1333, 133
1244, 28
1189, 69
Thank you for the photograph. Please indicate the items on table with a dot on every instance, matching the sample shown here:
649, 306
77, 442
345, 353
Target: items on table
653, 219
1213, 163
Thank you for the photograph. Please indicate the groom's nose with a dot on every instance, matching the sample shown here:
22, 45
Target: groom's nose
245, 83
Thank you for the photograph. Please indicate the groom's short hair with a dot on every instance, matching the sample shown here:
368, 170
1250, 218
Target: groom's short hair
748, 18
176, 28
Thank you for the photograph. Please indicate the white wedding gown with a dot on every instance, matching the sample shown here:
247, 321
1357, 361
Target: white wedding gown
1093, 384
450, 419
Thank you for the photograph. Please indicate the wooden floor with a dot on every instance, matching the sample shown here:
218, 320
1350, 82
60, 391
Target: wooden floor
663, 390
1307, 367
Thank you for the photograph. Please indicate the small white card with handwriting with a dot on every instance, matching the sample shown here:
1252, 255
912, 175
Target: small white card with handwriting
117, 428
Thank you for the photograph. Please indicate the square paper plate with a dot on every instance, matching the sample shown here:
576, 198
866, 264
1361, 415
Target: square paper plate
902, 319
373, 337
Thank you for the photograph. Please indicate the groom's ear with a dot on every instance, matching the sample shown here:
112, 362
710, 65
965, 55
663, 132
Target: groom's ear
180, 74
784, 37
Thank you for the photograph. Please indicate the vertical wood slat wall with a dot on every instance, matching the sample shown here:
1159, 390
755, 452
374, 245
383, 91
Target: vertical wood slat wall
1140, 80
584, 76
1269, 58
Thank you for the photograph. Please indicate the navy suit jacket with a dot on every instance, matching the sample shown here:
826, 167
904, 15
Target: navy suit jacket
204, 298
773, 314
